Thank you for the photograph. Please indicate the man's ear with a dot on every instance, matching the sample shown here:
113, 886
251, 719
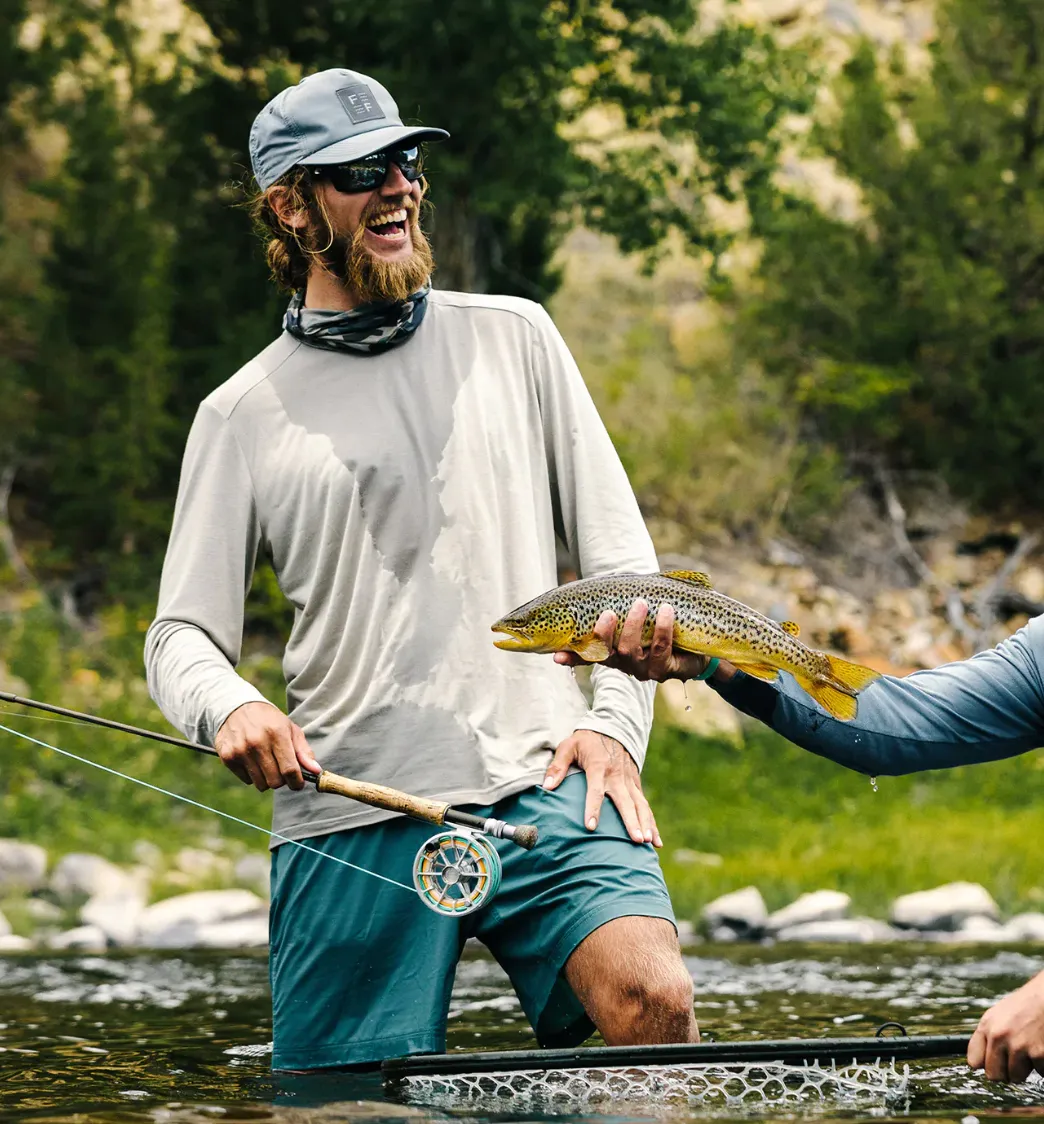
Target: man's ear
288, 206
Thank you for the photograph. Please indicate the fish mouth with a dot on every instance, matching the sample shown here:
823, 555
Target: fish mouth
515, 639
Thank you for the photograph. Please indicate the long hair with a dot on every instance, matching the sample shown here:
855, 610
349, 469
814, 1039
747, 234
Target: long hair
290, 250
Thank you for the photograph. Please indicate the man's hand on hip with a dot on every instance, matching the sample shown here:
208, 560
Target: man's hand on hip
264, 748
611, 772
1009, 1040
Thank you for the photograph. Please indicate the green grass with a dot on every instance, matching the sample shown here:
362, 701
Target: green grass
788, 821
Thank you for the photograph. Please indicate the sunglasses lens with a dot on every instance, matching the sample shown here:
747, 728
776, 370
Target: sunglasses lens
370, 172
410, 162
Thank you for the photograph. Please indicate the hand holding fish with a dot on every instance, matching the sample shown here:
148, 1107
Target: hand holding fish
260, 744
612, 772
658, 660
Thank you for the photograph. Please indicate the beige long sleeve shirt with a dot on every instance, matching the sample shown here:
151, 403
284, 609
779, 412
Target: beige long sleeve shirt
406, 500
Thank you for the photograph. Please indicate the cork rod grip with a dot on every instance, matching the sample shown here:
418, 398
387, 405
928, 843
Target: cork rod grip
434, 811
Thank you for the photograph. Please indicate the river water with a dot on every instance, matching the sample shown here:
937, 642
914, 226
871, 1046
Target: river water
162, 1039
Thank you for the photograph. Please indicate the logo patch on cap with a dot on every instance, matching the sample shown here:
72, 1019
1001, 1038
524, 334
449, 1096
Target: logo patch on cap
359, 103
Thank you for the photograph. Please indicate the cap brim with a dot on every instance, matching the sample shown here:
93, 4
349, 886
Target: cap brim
365, 144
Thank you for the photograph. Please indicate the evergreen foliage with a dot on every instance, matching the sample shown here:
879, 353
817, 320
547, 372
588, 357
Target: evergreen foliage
917, 333
134, 282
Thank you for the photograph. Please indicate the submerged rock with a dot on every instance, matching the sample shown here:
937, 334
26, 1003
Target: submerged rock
179, 922
945, 907
821, 905
23, 866
742, 911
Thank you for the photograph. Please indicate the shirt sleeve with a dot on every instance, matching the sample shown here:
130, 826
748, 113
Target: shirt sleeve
194, 643
597, 517
981, 709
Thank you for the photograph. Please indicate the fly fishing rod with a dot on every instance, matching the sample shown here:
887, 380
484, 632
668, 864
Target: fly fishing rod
454, 873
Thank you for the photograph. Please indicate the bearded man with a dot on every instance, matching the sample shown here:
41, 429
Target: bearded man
406, 457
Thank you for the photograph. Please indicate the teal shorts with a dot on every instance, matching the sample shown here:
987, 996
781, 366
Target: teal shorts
362, 970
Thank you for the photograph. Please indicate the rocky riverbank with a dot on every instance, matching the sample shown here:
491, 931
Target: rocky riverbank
89, 904
957, 912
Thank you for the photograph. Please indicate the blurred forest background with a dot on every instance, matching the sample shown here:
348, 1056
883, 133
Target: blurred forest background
797, 248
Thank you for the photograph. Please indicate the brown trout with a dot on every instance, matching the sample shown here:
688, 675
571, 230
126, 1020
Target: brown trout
706, 622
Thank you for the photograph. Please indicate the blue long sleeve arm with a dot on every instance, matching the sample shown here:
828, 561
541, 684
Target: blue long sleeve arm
981, 709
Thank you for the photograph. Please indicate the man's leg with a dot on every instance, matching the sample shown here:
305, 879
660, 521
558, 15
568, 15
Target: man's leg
583, 925
360, 969
630, 977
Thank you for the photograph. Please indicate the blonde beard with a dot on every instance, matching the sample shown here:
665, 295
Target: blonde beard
373, 279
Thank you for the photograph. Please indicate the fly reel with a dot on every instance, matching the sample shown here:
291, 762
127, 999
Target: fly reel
456, 872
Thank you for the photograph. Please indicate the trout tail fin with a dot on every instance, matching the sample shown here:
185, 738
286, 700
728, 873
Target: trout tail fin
837, 695
836, 703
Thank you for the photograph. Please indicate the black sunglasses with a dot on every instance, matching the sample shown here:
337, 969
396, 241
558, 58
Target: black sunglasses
370, 172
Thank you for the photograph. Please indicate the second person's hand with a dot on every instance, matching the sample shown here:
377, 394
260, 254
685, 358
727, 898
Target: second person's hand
658, 662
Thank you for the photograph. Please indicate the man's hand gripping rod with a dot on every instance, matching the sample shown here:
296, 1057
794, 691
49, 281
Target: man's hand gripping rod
376, 795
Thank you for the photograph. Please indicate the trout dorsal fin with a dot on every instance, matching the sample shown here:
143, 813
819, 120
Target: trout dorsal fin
693, 577
790, 628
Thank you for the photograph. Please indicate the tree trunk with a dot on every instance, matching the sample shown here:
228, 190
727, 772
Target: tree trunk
461, 253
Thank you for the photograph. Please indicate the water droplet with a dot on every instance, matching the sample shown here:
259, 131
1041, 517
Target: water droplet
873, 783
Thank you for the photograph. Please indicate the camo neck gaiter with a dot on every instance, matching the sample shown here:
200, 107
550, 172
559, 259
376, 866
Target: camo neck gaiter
367, 330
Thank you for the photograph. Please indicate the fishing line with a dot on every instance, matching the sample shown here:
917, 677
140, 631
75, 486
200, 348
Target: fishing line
41, 718
207, 808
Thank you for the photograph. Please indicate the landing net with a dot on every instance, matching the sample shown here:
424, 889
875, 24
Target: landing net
854, 1072
750, 1085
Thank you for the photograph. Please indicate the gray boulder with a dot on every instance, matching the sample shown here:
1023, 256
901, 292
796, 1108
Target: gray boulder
246, 932
85, 938
254, 871
23, 866
80, 876
981, 929
11, 943
945, 907
822, 905
177, 922
742, 911
44, 912
1026, 927
116, 915
839, 930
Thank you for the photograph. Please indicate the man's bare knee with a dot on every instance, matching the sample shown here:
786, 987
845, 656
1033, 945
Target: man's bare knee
656, 1008
633, 983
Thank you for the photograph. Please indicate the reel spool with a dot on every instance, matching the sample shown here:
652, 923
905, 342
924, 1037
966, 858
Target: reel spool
457, 873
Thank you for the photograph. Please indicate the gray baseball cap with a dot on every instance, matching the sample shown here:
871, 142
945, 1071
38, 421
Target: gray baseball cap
328, 118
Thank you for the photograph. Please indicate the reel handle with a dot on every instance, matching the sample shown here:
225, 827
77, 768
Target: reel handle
380, 796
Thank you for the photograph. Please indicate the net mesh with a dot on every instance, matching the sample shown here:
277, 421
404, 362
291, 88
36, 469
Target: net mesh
747, 1084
